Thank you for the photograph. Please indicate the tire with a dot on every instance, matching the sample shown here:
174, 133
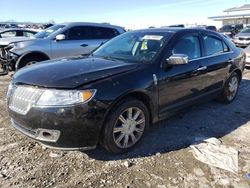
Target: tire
230, 89
117, 128
29, 60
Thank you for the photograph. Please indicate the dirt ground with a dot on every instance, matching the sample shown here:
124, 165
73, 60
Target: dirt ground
163, 159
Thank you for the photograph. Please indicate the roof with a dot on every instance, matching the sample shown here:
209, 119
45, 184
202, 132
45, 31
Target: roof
92, 24
241, 8
171, 30
165, 29
230, 17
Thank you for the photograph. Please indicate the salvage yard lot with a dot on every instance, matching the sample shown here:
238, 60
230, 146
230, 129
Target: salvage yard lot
162, 159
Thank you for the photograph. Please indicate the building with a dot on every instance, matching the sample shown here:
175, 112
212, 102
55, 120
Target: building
235, 15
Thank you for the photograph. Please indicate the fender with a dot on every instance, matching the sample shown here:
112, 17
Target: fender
30, 53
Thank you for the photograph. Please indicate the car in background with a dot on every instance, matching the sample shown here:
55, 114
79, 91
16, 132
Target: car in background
8, 36
16, 33
127, 84
62, 40
211, 27
11, 25
178, 25
242, 39
239, 27
247, 51
228, 30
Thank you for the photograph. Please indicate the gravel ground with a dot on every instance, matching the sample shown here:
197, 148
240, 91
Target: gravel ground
163, 159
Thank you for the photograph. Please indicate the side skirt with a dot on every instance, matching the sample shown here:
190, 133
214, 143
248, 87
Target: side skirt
172, 109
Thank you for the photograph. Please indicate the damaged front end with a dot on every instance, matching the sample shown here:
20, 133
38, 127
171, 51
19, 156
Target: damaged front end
7, 59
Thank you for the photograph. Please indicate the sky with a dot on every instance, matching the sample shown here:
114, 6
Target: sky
131, 14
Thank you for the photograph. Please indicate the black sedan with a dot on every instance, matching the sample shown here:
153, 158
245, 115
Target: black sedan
127, 84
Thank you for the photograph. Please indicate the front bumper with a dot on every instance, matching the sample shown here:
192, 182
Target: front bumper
71, 128
7, 59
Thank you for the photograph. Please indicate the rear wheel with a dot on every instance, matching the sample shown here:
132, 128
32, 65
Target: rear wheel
125, 126
230, 89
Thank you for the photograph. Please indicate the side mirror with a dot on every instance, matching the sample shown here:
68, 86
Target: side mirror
177, 59
60, 37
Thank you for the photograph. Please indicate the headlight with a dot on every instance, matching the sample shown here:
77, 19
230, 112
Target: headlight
65, 97
9, 90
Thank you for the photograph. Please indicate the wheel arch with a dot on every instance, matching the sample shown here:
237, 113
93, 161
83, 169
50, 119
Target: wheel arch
238, 72
40, 54
139, 95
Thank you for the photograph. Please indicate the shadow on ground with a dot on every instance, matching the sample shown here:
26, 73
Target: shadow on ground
211, 119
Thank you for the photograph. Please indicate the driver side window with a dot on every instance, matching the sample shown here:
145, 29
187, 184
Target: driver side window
189, 46
79, 33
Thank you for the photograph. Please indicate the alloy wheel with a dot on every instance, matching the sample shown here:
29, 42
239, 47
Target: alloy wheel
129, 127
232, 88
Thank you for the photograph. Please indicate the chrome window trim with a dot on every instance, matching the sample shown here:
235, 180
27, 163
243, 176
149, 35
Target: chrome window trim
210, 56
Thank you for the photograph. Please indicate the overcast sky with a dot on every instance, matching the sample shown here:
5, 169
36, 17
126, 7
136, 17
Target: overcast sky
127, 13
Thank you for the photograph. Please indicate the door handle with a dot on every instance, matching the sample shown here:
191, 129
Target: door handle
84, 45
202, 68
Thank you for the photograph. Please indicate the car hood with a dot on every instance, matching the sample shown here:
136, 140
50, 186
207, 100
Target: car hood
7, 41
70, 73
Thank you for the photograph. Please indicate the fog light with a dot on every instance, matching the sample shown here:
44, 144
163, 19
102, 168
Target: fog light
47, 135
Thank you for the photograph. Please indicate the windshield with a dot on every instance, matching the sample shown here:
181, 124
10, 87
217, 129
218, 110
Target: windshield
246, 31
47, 32
133, 46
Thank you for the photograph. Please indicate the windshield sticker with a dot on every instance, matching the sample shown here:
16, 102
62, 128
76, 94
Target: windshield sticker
152, 37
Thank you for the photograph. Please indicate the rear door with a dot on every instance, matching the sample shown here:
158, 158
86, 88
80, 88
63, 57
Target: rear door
216, 62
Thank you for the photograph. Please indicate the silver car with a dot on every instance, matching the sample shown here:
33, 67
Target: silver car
62, 40
242, 39
247, 51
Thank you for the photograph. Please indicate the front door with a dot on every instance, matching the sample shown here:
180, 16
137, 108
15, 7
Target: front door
79, 41
179, 84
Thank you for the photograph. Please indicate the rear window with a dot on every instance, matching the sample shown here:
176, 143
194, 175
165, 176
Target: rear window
79, 33
214, 46
103, 33
28, 34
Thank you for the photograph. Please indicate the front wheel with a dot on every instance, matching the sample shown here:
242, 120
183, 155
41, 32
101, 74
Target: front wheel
230, 89
125, 126
29, 60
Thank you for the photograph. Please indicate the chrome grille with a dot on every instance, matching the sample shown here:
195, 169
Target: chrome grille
22, 98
